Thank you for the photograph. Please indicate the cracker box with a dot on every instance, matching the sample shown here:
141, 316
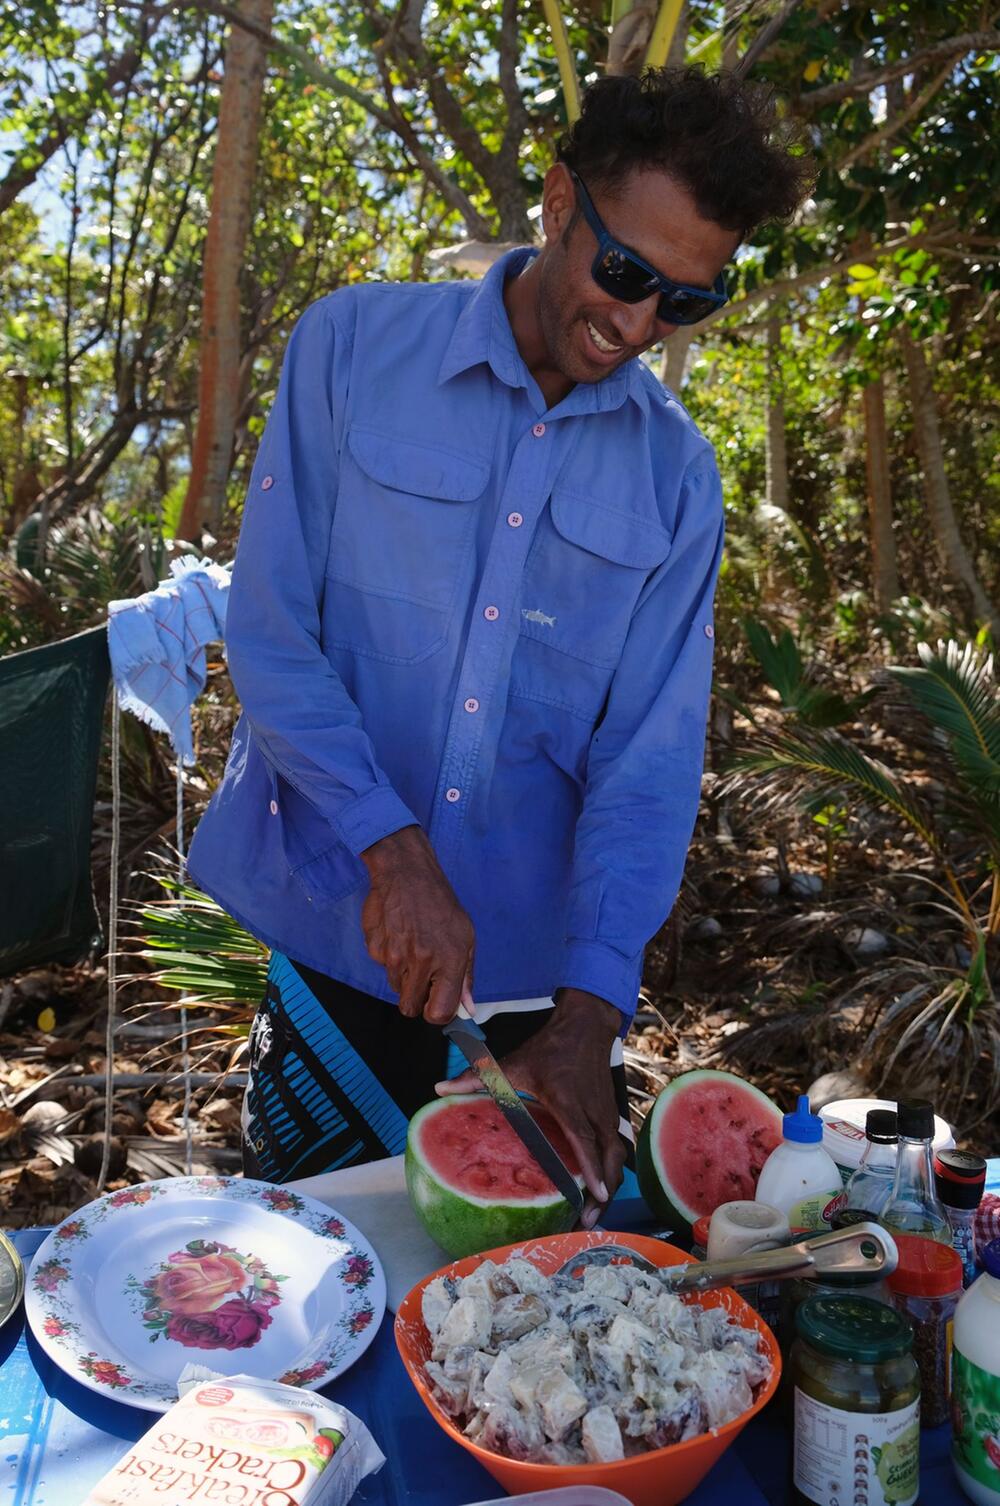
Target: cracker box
237, 1441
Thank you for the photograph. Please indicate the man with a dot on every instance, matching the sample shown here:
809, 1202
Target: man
471, 629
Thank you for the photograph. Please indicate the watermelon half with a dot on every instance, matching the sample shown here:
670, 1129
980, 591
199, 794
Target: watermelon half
703, 1143
472, 1183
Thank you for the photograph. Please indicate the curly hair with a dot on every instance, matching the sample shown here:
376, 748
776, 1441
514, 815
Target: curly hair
716, 135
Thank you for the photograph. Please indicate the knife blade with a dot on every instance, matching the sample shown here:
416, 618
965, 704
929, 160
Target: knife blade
471, 1041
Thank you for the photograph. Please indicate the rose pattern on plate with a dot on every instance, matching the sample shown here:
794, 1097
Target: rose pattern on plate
50, 1276
358, 1271
107, 1372
357, 1321
208, 1296
240, 1314
76, 1229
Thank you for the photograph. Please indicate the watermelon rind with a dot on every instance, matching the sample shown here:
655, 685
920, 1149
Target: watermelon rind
463, 1224
654, 1178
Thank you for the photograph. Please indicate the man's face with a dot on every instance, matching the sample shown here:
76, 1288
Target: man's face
588, 332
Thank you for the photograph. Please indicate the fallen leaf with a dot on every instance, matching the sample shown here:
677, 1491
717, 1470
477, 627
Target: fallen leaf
9, 1125
162, 1119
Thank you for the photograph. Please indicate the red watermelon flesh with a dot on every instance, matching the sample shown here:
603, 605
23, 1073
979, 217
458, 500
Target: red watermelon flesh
473, 1150
717, 1144
704, 1142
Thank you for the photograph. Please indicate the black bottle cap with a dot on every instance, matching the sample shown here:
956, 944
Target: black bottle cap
959, 1177
915, 1118
880, 1126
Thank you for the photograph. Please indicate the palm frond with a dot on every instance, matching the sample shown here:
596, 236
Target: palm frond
955, 688
822, 763
781, 661
199, 950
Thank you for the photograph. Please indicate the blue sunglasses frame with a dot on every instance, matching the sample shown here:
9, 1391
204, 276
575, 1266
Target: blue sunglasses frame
678, 302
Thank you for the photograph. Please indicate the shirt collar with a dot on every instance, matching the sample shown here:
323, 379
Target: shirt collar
483, 334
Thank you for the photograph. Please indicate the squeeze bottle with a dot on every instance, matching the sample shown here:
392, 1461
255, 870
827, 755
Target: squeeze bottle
799, 1177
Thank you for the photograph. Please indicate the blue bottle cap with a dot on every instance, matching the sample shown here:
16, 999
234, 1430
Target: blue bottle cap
990, 1258
802, 1126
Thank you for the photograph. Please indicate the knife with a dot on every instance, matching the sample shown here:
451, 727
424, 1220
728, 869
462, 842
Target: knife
471, 1041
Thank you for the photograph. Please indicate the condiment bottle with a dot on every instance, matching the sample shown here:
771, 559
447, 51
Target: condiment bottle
857, 1397
870, 1186
975, 1405
960, 1178
926, 1286
799, 1177
913, 1206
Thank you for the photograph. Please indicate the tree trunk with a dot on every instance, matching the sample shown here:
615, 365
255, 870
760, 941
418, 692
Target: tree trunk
675, 355
885, 575
225, 243
927, 432
777, 454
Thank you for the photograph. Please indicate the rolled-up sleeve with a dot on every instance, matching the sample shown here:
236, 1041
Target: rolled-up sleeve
646, 759
301, 716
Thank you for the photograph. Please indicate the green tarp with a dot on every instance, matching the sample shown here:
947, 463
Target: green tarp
51, 713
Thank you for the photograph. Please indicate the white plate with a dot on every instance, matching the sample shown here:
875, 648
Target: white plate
239, 1276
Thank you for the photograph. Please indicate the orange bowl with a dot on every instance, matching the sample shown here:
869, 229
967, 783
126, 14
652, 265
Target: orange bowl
661, 1477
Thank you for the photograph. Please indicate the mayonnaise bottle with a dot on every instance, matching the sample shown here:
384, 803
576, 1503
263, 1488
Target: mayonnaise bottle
975, 1384
799, 1177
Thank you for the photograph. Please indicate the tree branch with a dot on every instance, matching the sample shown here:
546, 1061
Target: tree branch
31, 159
863, 83
885, 133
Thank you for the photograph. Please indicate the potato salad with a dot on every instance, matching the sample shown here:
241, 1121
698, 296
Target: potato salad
552, 1370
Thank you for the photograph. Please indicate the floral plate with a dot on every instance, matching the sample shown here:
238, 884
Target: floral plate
240, 1276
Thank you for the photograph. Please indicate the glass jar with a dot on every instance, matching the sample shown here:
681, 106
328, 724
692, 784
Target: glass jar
795, 1290
926, 1286
857, 1402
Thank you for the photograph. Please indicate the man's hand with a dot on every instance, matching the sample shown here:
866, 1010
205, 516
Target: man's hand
566, 1066
414, 925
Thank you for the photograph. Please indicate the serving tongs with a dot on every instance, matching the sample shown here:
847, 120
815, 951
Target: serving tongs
863, 1250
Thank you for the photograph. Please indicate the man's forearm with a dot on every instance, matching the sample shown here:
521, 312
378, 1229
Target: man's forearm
592, 1012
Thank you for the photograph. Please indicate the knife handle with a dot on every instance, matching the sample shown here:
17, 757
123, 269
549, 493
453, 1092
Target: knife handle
463, 1020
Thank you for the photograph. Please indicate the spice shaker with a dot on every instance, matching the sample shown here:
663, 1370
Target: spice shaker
960, 1178
926, 1286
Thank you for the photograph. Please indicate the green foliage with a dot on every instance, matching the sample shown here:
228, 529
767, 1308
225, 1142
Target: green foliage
781, 660
195, 948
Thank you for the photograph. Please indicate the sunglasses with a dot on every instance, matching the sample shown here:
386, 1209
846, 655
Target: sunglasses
624, 275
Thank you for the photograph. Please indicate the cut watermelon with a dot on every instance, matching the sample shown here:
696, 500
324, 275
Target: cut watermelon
472, 1183
703, 1143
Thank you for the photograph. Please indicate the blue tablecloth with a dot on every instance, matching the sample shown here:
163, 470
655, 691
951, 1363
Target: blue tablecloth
57, 1438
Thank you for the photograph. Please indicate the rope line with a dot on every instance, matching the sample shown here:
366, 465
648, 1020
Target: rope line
116, 815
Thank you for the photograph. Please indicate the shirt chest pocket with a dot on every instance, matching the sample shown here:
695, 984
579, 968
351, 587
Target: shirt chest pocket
582, 581
400, 544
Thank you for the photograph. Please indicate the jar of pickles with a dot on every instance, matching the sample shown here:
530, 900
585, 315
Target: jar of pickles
857, 1405
798, 1289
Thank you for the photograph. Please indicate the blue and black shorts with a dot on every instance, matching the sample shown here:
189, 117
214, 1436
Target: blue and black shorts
335, 1075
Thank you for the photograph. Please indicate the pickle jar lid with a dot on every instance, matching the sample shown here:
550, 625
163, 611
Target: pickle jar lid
854, 1328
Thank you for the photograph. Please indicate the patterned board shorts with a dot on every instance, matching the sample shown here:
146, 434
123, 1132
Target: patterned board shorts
335, 1075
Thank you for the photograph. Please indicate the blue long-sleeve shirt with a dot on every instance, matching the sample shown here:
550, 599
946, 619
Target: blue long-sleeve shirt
456, 606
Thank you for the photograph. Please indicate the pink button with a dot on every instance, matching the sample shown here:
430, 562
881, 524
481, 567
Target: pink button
538, 430
274, 807
453, 795
267, 483
472, 704
514, 519
491, 613
709, 630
